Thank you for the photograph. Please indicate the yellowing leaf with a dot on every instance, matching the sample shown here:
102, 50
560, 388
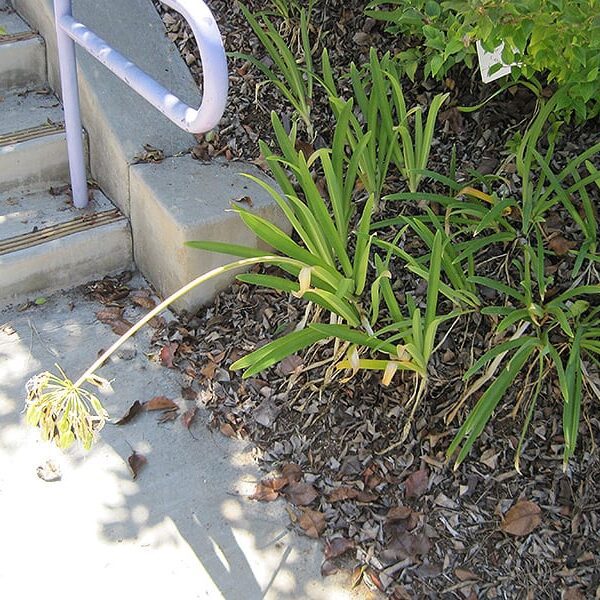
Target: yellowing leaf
388, 374
304, 280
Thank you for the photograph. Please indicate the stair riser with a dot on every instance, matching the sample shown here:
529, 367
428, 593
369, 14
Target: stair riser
35, 164
65, 262
22, 64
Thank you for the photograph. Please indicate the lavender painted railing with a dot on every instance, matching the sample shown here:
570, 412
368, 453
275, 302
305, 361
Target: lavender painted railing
214, 63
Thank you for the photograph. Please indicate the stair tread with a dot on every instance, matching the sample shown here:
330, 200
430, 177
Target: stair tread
26, 109
12, 23
22, 214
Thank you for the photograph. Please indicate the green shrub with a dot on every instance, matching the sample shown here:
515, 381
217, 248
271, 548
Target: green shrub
555, 39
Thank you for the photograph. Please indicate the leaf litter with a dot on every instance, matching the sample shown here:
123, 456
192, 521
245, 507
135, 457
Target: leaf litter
423, 531
411, 521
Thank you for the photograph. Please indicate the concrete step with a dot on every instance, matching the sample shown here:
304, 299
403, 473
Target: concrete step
33, 148
22, 54
180, 200
46, 244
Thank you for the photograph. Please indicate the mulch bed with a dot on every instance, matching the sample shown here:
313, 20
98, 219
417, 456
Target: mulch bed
397, 514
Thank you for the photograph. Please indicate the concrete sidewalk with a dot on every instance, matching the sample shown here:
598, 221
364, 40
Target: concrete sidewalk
182, 530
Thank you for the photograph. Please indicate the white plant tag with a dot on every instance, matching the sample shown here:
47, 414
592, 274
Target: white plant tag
487, 60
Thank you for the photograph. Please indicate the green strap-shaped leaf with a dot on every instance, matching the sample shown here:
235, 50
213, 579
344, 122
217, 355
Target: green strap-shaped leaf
276, 351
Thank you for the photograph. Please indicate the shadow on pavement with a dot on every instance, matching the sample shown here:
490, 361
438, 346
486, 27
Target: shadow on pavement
184, 528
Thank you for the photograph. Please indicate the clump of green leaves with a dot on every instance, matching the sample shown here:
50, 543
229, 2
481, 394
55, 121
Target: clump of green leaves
397, 135
294, 81
558, 40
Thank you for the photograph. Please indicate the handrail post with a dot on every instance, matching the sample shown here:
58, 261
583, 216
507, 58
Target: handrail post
70, 98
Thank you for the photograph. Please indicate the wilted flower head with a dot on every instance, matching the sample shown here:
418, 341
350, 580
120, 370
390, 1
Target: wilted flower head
64, 411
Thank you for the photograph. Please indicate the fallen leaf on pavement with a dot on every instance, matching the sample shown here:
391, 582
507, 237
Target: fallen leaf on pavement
144, 302
227, 430
522, 518
189, 393
160, 403
268, 490
312, 522
328, 567
168, 415
136, 462
301, 494
49, 471
109, 314
135, 409
120, 326
416, 483
167, 354
187, 418
337, 547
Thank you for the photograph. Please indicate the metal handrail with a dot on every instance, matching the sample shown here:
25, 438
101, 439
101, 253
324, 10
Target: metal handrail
215, 79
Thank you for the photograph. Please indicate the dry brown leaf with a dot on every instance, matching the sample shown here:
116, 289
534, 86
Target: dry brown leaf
348, 493
144, 302
189, 393
167, 354
490, 458
312, 522
168, 415
522, 518
573, 593
301, 494
227, 430
416, 484
208, 370
337, 547
268, 489
560, 245
409, 545
292, 472
187, 418
290, 365
160, 403
157, 322
109, 314
401, 593
136, 462
399, 513
304, 147
135, 409
465, 575
328, 567
120, 326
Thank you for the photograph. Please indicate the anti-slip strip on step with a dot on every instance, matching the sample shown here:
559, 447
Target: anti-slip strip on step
30, 134
77, 225
17, 37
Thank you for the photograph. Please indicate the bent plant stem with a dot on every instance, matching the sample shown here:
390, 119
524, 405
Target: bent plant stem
61, 407
166, 303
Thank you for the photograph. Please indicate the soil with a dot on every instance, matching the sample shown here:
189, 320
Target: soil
396, 513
